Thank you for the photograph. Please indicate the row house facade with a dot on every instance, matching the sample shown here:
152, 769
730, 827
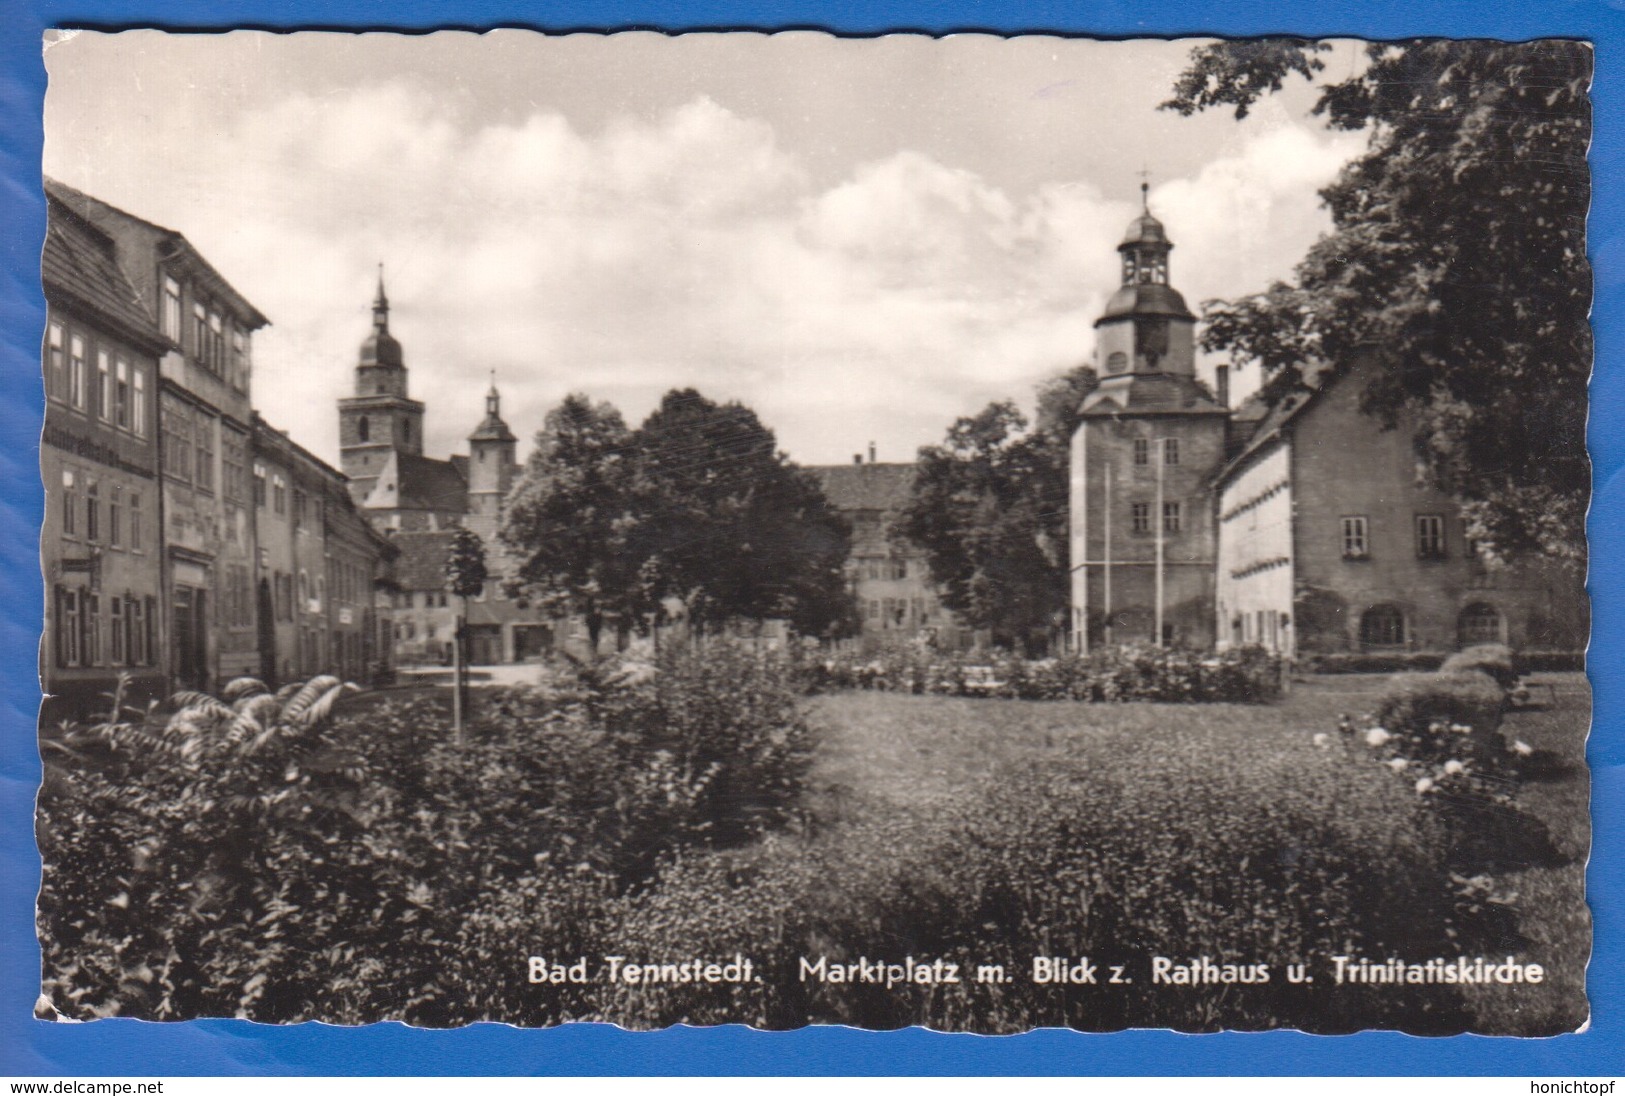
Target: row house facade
200, 520
100, 547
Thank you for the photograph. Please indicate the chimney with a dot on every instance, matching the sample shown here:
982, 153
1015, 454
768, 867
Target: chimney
1221, 384
871, 452
857, 458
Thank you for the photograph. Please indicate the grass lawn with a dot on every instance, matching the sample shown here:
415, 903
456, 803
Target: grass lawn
886, 753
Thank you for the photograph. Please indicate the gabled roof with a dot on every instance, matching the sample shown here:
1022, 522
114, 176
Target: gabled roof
866, 486
177, 248
421, 564
1273, 419
1149, 393
79, 262
411, 482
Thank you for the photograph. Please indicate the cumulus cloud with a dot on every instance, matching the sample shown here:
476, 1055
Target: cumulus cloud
681, 247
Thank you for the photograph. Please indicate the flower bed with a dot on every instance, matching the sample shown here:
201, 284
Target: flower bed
1249, 675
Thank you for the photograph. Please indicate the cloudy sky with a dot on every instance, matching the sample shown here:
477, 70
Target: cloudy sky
862, 240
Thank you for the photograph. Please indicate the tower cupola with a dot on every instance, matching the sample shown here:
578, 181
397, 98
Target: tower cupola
380, 348
1146, 325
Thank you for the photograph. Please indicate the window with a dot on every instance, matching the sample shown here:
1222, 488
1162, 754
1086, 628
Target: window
136, 532
121, 394
67, 626
1354, 538
406, 430
138, 402
241, 361
1170, 517
1170, 450
204, 449
1382, 626
169, 318
1140, 515
90, 619
76, 372
177, 441
259, 485
93, 510
56, 373
104, 385
200, 332
363, 428
115, 631
115, 507
135, 648
1142, 451
1429, 536
298, 507
217, 342
1479, 623
233, 462
70, 502
279, 494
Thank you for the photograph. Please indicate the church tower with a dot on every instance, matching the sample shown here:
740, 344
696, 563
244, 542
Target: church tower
1150, 438
380, 420
492, 466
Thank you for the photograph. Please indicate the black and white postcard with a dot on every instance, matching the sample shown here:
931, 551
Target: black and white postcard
973, 532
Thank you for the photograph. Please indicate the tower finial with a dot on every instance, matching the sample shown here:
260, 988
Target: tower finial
380, 304
1145, 188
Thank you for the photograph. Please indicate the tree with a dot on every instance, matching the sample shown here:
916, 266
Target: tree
990, 509
726, 523
569, 517
465, 577
1456, 260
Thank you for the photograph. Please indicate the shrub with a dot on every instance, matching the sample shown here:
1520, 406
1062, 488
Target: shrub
1494, 659
1360, 662
1413, 703
1168, 850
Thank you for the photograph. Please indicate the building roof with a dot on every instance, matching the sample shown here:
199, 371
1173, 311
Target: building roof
428, 484
380, 348
79, 262
422, 562
869, 486
1151, 299
1149, 393
1145, 229
179, 249
1273, 419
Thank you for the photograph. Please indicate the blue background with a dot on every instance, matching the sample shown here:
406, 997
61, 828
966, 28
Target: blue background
31, 1048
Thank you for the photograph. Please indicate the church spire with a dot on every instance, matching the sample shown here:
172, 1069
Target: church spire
380, 305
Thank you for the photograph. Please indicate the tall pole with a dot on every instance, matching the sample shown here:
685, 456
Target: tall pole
1106, 560
458, 670
1161, 457
1081, 640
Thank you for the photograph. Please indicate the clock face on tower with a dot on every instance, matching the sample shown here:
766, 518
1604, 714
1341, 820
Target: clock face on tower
1116, 362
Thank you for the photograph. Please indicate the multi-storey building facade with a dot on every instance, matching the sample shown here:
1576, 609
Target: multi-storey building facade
1305, 526
204, 414
230, 513
890, 579
100, 547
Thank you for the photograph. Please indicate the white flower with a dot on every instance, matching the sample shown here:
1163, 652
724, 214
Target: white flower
1376, 736
1423, 786
1454, 767
1321, 740
1461, 728
1522, 748
1399, 764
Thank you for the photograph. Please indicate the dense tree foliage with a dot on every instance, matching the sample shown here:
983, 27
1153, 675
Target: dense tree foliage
698, 505
1457, 258
990, 510
569, 517
728, 525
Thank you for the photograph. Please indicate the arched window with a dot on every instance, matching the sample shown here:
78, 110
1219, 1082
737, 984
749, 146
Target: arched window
1479, 623
363, 428
1382, 626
